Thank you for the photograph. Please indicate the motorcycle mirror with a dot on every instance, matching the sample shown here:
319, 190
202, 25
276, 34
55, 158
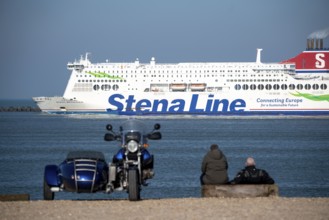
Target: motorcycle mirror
118, 138
109, 137
154, 136
109, 127
157, 126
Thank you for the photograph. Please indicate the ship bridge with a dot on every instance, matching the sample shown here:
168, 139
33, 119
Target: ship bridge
79, 65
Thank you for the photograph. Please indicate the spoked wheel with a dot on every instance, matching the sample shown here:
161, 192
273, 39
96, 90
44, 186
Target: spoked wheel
134, 191
47, 193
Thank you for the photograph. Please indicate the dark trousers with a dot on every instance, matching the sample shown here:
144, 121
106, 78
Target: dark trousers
201, 179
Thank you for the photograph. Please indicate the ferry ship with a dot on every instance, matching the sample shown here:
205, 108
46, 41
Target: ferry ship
296, 86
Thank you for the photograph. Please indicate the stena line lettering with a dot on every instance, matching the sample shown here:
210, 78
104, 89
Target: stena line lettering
130, 103
320, 62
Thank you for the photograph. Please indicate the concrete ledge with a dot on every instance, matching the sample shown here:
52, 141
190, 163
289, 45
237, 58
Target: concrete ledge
240, 190
15, 197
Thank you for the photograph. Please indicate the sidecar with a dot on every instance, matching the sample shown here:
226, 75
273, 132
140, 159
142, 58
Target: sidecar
81, 172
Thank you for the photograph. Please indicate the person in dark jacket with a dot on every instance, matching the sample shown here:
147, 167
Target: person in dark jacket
214, 167
251, 175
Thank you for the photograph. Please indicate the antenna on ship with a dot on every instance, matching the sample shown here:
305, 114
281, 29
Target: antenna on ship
86, 58
258, 57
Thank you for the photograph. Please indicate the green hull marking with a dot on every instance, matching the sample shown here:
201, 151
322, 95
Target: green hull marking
312, 97
104, 75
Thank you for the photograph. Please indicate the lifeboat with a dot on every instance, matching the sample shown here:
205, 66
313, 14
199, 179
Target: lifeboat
159, 87
198, 86
178, 87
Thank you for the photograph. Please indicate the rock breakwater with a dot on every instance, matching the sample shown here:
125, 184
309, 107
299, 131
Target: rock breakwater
20, 109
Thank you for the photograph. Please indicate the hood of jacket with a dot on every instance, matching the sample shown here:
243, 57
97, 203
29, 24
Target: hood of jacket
215, 154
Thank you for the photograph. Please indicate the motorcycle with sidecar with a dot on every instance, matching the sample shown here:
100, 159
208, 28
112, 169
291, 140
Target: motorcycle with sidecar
88, 171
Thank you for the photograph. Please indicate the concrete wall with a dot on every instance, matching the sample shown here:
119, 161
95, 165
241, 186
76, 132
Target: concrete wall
240, 190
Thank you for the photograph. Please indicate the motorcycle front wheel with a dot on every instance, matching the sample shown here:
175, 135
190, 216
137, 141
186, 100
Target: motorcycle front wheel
133, 187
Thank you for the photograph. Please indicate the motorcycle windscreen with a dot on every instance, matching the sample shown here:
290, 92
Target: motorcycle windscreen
133, 125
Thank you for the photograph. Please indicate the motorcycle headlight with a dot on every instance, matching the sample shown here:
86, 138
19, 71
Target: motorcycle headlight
132, 146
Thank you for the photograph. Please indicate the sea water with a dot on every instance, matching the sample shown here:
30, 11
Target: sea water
294, 151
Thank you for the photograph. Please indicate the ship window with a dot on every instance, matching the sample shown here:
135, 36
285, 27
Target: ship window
106, 87
308, 86
268, 86
284, 87
315, 86
237, 87
245, 87
276, 87
260, 86
252, 86
300, 86
96, 87
115, 87
323, 86
291, 86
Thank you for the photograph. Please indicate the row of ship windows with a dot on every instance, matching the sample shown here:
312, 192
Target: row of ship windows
115, 87
228, 80
283, 87
102, 80
106, 87
254, 80
180, 66
221, 71
171, 71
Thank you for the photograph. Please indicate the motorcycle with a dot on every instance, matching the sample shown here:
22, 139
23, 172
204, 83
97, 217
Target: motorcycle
133, 164
88, 171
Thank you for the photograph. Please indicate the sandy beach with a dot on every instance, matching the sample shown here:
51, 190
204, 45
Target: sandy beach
185, 208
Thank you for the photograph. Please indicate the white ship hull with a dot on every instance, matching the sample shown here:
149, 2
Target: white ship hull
193, 103
197, 88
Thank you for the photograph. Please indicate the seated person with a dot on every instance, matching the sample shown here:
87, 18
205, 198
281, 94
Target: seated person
214, 167
251, 175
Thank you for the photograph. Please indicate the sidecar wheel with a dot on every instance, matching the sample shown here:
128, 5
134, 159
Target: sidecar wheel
47, 193
134, 192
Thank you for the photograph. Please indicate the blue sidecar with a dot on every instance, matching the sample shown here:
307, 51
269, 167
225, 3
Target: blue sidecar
81, 172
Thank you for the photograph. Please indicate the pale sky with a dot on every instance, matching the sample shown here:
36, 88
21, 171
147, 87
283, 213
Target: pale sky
39, 37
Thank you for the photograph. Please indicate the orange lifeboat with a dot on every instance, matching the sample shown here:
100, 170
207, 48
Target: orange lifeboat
198, 86
178, 87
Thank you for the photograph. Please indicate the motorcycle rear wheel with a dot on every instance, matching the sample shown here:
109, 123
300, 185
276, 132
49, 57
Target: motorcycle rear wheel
133, 188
